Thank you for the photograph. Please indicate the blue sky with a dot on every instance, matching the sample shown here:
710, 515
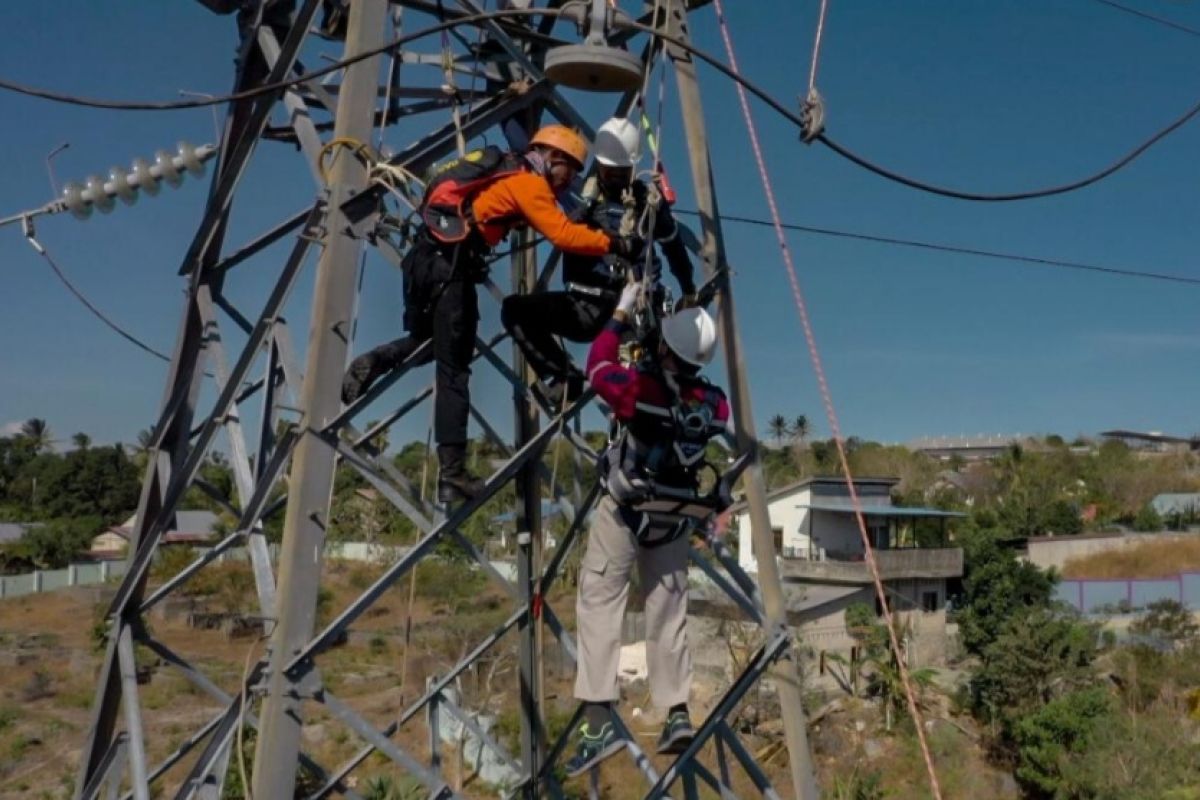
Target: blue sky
990, 95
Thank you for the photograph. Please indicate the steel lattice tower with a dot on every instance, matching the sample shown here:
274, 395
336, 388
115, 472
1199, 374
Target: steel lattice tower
349, 215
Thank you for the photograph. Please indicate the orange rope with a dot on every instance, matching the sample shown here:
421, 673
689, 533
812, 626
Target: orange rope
831, 414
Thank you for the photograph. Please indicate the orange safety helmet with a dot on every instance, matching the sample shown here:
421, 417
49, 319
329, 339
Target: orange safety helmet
563, 139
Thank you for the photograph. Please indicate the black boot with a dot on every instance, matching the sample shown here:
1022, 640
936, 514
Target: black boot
455, 484
562, 392
361, 373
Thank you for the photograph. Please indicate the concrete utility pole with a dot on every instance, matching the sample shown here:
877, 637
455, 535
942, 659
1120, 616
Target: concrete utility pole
313, 464
785, 673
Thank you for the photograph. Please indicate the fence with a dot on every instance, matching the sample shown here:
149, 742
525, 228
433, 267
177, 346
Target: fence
47, 580
1093, 595
92, 573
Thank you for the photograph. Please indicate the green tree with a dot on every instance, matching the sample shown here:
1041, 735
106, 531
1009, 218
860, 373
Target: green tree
81, 441
38, 434
996, 588
100, 481
1037, 657
15, 455
1049, 737
1147, 520
1062, 518
55, 544
1170, 620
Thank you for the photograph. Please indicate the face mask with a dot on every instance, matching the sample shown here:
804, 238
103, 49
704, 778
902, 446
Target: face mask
538, 163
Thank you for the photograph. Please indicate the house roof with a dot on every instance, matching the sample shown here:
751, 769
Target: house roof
982, 441
1176, 503
1150, 436
12, 531
822, 480
839, 506
190, 522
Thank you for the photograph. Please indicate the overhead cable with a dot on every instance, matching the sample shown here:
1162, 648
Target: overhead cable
96, 312
913, 183
268, 88
960, 250
1153, 18
733, 74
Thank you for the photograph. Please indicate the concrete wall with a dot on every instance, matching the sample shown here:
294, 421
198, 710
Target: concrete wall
49, 580
1055, 551
927, 642
784, 514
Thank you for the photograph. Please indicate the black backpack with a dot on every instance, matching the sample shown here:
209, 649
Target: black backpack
451, 186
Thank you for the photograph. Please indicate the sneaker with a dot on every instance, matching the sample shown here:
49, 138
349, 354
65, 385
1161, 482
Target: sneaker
676, 734
593, 748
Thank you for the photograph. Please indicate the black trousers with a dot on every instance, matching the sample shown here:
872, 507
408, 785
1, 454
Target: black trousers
535, 319
441, 303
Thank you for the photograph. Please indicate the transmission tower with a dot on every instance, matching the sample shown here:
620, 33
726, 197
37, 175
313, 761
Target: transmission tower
360, 204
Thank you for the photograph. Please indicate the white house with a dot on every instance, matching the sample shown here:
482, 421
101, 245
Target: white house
814, 520
819, 549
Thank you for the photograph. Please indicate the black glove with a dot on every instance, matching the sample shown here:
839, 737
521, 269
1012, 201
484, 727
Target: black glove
626, 247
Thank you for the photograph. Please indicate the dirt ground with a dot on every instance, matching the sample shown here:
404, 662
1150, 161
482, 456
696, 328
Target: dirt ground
51, 645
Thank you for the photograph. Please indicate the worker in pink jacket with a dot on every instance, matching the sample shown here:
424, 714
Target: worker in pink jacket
665, 415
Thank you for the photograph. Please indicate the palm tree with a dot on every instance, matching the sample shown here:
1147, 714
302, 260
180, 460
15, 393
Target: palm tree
800, 429
37, 433
145, 439
81, 441
778, 427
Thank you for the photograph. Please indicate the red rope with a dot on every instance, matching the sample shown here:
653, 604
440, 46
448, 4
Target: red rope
830, 413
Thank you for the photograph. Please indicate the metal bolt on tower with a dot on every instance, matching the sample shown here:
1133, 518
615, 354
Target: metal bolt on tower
359, 208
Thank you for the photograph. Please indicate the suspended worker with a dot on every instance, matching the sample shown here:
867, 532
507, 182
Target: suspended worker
592, 285
666, 414
470, 205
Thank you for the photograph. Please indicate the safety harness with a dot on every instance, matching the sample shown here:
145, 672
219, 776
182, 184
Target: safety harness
653, 463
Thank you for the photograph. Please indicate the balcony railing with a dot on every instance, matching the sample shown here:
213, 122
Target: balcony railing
939, 562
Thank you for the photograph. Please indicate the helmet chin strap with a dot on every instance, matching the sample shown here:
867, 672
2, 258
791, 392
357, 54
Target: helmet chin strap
669, 378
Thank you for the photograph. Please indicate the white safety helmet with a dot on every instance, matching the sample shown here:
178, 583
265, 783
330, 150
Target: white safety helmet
691, 335
618, 143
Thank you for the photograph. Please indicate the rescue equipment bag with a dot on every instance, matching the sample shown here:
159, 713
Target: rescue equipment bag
450, 187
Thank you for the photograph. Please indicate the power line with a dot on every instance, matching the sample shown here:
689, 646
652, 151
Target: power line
267, 88
1153, 18
905, 180
96, 312
733, 74
969, 251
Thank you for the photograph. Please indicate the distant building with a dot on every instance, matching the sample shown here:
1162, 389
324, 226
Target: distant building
821, 558
814, 520
1153, 441
1185, 504
191, 527
13, 531
968, 448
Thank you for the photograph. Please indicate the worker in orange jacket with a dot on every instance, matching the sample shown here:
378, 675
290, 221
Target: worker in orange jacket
469, 207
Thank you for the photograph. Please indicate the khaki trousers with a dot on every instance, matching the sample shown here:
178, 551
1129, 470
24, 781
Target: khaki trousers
600, 606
